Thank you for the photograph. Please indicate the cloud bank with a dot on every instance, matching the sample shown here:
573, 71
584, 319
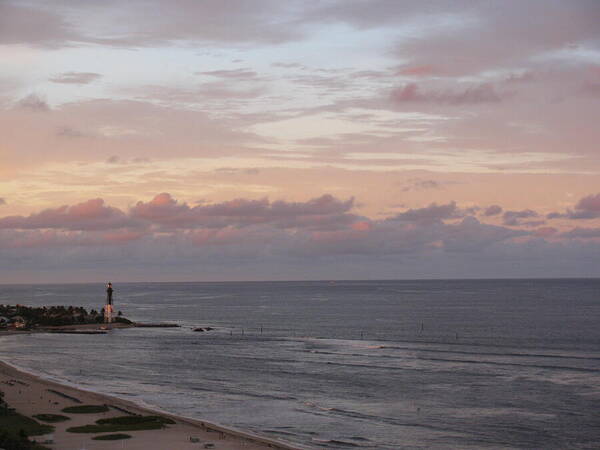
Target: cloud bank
278, 239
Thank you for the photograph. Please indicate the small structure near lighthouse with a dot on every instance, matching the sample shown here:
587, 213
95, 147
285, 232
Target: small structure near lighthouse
108, 308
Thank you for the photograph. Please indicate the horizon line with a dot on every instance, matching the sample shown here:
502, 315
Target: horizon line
327, 280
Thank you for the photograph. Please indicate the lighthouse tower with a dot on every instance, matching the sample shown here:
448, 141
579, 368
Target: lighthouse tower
108, 308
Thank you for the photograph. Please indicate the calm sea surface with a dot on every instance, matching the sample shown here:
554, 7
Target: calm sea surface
374, 364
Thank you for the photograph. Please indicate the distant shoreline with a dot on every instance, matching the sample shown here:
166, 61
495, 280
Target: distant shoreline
189, 426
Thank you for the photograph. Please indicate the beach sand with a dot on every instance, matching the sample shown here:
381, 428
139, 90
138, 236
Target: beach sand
31, 395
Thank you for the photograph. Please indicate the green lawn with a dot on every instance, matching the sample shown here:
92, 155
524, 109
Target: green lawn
85, 409
51, 418
124, 423
133, 420
111, 437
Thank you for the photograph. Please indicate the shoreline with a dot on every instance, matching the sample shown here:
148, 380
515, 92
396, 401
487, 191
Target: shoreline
220, 437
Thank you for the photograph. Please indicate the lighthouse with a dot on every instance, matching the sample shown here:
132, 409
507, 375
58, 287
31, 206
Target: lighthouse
108, 308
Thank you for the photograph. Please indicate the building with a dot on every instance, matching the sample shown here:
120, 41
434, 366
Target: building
18, 322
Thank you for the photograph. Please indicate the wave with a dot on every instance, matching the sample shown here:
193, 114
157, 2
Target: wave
283, 433
374, 345
464, 352
243, 393
334, 443
451, 360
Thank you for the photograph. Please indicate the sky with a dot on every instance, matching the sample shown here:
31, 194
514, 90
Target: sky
212, 140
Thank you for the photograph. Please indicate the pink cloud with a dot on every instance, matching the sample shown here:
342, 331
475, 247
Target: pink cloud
407, 93
362, 226
324, 211
419, 234
418, 71
89, 215
162, 207
319, 227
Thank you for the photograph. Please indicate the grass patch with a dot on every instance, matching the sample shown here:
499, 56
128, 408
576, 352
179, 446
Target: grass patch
134, 420
51, 418
124, 423
85, 409
13, 423
111, 437
112, 428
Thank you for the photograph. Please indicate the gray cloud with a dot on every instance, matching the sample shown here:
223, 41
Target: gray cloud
446, 28
33, 102
69, 132
583, 233
237, 74
492, 210
148, 23
308, 239
288, 65
587, 208
421, 185
480, 93
591, 89
76, 77
485, 36
217, 91
2, 201
278, 255
473, 236
515, 218
430, 214
20, 24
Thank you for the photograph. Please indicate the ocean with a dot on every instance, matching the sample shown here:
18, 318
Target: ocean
363, 364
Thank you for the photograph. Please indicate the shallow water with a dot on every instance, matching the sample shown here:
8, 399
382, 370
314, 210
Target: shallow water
406, 364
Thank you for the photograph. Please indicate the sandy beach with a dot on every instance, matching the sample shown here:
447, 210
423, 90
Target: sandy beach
30, 395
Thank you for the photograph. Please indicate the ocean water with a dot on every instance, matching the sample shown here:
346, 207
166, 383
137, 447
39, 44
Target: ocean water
372, 364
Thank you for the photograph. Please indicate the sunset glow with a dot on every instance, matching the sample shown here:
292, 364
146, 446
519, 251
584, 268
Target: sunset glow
269, 140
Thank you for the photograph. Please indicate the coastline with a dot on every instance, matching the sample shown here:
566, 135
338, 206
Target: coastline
33, 394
